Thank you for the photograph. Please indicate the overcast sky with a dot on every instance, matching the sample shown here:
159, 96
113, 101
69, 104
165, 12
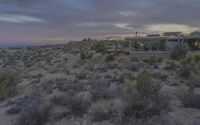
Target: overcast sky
52, 21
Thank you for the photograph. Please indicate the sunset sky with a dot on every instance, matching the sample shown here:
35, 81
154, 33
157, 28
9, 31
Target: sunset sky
31, 22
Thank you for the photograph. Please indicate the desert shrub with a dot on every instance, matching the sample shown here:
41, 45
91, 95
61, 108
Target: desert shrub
116, 110
179, 52
134, 59
129, 86
145, 86
154, 59
36, 113
100, 90
99, 93
99, 47
81, 75
197, 58
191, 58
85, 56
100, 111
82, 56
189, 64
80, 103
185, 72
171, 66
151, 59
145, 60
193, 82
160, 59
126, 75
100, 67
111, 65
20, 103
74, 86
192, 61
186, 60
143, 97
191, 100
160, 76
133, 66
110, 58
63, 99
8, 82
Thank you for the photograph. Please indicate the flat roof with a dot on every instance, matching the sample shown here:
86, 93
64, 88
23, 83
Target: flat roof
166, 37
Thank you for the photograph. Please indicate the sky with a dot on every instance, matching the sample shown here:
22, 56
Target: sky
35, 22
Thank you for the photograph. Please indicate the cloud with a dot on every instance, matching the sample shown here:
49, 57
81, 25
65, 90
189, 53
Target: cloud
123, 26
12, 18
127, 13
89, 24
171, 27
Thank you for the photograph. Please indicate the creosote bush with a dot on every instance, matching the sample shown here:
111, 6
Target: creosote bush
193, 83
197, 58
179, 52
100, 90
189, 64
85, 56
145, 86
143, 97
152, 59
191, 61
100, 111
191, 100
186, 60
34, 114
80, 103
185, 71
109, 58
134, 59
63, 99
8, 82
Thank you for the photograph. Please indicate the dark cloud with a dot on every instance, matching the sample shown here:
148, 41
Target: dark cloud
73, 19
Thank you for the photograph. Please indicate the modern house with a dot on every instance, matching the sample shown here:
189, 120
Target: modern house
157, 43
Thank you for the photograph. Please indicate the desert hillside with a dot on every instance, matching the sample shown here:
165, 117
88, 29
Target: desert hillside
81, 84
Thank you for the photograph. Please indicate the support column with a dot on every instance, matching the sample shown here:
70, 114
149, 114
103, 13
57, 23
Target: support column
150, 45
182, 41
178, 39
167, 47
118, 44
130, 45
159, 44
133, 46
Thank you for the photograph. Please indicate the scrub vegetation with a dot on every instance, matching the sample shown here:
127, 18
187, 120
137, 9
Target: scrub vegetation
82, 83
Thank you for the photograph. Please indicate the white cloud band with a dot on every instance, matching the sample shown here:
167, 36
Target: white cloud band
171, 27
13, 18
